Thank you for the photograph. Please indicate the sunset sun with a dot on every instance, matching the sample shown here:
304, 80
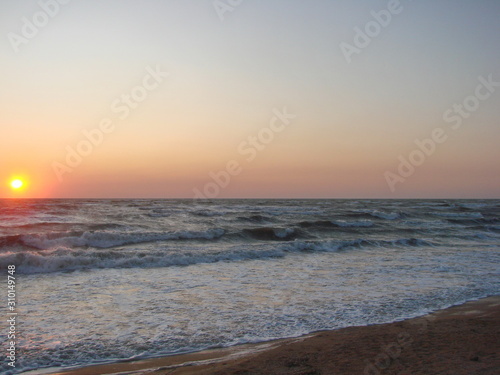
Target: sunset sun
16, 184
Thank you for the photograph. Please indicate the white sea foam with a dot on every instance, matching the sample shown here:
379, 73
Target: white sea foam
284, 232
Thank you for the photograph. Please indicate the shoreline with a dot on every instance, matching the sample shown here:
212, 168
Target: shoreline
459, 338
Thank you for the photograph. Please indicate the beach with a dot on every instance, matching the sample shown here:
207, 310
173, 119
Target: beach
462, 339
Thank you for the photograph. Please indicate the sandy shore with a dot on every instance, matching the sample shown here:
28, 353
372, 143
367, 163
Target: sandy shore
460, 340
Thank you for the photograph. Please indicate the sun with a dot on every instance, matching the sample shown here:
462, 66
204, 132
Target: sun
16, 184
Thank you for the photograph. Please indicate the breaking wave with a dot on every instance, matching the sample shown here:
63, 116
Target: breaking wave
66, 259
102, 239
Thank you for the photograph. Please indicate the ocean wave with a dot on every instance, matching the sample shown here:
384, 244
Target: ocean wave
60, 226
316, 223
336, 223
353, 224
479, 224
255, 218
385, 215
379, 214
266, 233
10, 241
102, 239
473, 226
62, 259
443, 207
425, 224
208, 213
159, 213
66, 259
459, 215
333, 246
290, 210
36, 225
473, 206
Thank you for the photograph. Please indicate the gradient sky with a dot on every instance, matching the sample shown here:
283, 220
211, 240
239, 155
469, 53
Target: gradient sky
353, 120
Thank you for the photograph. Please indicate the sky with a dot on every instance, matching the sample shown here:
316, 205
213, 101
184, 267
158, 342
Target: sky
250, 99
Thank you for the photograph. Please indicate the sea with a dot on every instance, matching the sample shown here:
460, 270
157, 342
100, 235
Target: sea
100, 281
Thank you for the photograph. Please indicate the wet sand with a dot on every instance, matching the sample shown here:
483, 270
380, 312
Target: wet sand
459, 340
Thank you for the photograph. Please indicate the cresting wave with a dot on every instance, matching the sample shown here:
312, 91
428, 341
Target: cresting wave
65, 259
109, 238
266, 233
102, 239
326, 246
105, 236
377, 214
